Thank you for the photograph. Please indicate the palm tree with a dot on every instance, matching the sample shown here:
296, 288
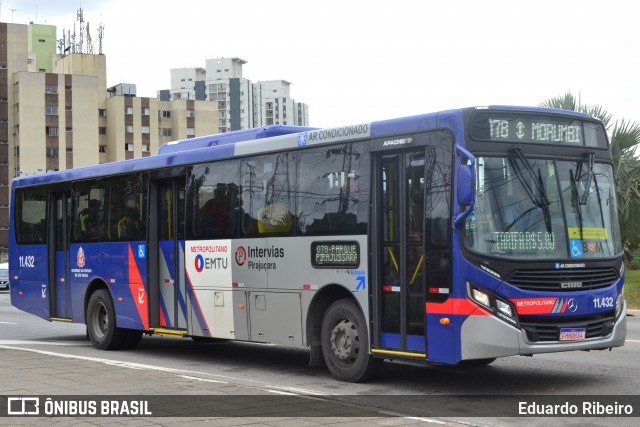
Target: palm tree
625, 139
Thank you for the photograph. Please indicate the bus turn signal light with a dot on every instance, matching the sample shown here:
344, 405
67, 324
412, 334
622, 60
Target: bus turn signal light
445, 321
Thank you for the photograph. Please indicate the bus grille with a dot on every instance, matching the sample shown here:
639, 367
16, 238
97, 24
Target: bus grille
563, 280
544, 329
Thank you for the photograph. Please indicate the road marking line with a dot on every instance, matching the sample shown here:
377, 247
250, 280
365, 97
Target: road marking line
284, 393
406, 417
140, 366
58, 343
202, 379
307, 394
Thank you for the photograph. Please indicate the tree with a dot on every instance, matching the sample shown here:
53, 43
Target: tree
625, 139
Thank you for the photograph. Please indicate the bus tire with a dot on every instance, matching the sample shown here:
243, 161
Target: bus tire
207, 340
476, 363
101, 322
345, 343
132, 339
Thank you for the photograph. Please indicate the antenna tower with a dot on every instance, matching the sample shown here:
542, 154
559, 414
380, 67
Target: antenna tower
80, 17
75, 43
89, 43
100, 37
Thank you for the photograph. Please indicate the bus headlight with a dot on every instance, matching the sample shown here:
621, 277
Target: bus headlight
619, 305
504, 308
493, 303
481, 298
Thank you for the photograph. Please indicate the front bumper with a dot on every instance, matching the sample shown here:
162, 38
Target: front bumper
487, 337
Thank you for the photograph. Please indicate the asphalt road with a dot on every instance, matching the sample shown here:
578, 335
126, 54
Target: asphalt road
400, 387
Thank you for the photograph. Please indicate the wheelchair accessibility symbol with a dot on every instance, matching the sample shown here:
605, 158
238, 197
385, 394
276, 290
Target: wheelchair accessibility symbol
576, 248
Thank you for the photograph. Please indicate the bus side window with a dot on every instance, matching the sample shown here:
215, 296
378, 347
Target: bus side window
332, 190
127, 206
89, 198
88, 219
128, 227
215, 200
31, 208
267, 194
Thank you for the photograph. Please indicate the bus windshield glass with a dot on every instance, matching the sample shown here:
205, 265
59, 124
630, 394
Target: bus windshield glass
535, 208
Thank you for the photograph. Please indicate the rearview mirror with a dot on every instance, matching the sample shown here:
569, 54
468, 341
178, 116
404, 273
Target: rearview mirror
465, 185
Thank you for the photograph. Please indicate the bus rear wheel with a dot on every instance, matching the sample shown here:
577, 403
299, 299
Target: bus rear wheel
101, 322
345, 343
132, 339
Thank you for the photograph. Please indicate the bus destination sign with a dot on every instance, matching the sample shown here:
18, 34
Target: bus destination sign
340, 254
526, 128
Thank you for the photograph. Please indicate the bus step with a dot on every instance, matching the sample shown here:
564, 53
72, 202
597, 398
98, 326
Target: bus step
169, 332
398, 353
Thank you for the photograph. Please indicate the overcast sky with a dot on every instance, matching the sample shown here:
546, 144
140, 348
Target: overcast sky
356, 61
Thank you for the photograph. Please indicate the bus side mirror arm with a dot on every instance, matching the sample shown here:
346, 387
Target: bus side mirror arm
465, 184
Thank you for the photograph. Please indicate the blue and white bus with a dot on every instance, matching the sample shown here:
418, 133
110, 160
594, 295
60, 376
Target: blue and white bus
451, 238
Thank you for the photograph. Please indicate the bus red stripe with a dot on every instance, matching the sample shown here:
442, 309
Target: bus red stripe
138, 291
456, 307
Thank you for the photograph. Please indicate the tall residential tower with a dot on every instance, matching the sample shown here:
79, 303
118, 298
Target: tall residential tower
241, 104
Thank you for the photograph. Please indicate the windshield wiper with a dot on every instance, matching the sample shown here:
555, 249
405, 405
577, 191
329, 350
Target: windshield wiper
575, 200
585, 194
543, 203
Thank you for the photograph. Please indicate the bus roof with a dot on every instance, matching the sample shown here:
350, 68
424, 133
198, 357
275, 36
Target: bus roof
265, 139
229, 137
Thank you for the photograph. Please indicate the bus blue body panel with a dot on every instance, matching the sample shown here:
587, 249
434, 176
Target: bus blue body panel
122, 267
404, 125
127, 166
28, 274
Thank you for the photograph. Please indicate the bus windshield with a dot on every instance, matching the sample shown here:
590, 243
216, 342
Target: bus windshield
534, 208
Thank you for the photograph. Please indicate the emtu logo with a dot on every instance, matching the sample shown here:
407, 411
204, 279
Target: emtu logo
199, 263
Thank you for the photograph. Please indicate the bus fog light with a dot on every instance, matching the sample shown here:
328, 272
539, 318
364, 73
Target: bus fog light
504, 308
480, 297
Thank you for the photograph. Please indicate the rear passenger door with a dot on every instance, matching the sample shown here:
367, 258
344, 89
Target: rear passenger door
59, 223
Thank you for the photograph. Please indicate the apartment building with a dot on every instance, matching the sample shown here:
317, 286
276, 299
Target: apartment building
56, 112
137, 126
241, 104
273, 105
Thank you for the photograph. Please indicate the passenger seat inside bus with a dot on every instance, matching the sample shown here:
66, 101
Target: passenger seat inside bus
274, 218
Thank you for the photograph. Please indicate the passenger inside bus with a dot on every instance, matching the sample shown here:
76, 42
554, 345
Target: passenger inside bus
89, 220
215, 213
129, 225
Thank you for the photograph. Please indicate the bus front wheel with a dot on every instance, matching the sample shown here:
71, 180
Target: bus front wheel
476, 363
101, 322
345, 343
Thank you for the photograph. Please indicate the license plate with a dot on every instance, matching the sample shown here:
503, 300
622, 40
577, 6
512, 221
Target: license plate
572, 334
